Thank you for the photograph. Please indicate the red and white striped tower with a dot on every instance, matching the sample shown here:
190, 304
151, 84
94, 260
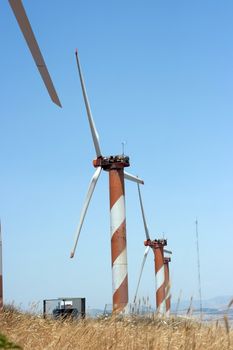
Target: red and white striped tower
158, 246
1, 280
167, 285
115, 166
118, 240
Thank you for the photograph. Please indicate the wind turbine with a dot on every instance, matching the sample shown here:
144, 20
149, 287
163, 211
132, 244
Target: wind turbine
157, 247
114, 165
24, 24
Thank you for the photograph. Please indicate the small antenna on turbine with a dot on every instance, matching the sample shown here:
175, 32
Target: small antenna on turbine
198, 266
123, 143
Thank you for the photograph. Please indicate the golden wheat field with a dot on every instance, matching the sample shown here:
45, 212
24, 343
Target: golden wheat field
33, 332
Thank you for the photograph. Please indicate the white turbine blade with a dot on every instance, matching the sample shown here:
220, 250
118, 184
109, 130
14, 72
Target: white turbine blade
84, 209
94, 132
167, 251
143, 214
133, 178
140, 275
24, 24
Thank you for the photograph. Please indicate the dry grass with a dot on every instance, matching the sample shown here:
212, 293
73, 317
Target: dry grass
34, 333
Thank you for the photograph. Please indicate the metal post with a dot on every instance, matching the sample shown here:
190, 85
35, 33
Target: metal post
118, 239
83, 307
44, 308
167, 285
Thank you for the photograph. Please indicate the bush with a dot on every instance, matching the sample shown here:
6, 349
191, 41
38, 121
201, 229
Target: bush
6, 344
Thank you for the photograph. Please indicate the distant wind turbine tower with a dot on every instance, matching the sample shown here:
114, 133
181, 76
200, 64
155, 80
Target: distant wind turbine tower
1, 279
157, 246
167, 260
114, 165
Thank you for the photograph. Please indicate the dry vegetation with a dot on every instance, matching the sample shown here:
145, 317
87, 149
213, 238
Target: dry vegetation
33, 332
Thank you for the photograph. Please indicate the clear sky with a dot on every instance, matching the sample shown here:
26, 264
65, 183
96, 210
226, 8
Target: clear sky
159, 75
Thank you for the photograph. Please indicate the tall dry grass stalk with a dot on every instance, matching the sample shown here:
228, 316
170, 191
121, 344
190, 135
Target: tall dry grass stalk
230, 304
128, 333
178, 302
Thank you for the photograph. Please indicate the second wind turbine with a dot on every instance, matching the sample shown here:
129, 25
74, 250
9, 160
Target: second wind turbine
115, 166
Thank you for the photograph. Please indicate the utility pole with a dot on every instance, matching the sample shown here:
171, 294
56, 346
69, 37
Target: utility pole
198, 266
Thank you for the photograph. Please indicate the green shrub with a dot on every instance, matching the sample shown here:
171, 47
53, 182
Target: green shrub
6, 344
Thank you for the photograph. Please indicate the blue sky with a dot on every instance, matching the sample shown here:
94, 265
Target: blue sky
159, 76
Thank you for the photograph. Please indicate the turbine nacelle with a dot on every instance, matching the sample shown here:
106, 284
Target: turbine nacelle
111, 162
157, 243
167, 259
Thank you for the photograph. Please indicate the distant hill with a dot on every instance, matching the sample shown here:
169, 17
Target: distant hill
216, 306
94, 312
219, 303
